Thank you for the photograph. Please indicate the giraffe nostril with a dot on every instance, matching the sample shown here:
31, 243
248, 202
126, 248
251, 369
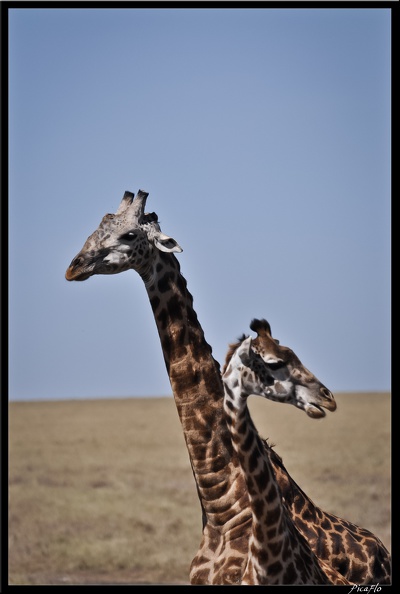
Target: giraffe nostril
327, 393
329, 401
75, 262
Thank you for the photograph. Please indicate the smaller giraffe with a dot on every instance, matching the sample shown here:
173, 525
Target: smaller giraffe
278, 553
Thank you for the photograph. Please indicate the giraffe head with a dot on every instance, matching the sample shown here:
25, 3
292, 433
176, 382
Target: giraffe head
263, 367
124, 240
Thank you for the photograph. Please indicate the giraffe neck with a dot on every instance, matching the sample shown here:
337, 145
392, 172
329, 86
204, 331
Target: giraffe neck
198, 391
264, 494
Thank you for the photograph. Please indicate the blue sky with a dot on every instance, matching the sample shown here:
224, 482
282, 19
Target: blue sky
263, 139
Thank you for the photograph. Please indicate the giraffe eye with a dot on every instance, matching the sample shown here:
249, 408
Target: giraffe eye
128, 236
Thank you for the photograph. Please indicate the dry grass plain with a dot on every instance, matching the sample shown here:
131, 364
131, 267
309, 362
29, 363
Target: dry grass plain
101, 491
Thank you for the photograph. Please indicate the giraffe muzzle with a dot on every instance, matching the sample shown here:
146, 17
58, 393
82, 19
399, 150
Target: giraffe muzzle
76, 274
324, 400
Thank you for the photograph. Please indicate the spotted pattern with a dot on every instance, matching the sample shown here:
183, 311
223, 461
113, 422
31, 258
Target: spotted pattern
131, 239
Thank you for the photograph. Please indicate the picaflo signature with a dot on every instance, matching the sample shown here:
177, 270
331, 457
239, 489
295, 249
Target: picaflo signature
368, 589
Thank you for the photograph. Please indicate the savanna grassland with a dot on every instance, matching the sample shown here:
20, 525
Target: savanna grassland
101, 491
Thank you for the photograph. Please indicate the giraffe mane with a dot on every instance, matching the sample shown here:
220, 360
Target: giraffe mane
277, 457
231, 349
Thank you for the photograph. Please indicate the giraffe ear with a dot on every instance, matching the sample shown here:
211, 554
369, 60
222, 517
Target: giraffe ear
244, 350
166, 244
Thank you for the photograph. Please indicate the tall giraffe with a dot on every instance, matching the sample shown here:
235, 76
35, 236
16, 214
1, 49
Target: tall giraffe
132, 239
277, 553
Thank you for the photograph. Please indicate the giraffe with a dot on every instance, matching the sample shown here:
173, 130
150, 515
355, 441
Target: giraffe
263, 367
132, 239
277, 552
